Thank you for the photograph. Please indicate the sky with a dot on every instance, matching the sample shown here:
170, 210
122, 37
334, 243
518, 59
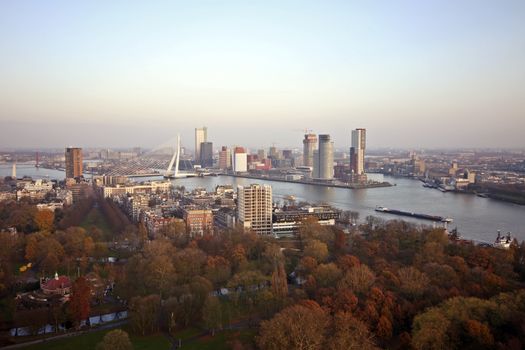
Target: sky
415, 74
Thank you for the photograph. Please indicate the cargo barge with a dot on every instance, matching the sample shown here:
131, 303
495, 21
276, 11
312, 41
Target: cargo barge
413, 215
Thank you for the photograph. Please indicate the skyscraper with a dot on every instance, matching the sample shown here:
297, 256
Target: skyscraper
206, 154
324, 159
225, 158
309, 146
255, 208
73, 162
357, 152
201, 135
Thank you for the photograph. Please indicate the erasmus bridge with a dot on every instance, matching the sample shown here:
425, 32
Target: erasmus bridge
155, 163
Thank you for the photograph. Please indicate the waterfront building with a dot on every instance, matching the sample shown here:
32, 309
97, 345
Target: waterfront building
309, 146
324, 159
201, 135
73, 162
206, 158
286, 223
357, 152
254, 208
149, 187
225, 158
240, 160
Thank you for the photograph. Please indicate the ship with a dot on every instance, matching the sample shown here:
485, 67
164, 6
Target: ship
414, 215
503, 241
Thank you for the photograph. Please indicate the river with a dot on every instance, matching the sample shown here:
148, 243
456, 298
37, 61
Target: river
476, 218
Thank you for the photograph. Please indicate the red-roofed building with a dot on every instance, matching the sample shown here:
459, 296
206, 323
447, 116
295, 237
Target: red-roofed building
60, 285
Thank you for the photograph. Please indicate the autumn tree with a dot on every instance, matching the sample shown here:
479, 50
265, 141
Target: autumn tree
79, 305
316, 249
144, 314
349, 333
116, 339
301, 327
359, 279
44, 220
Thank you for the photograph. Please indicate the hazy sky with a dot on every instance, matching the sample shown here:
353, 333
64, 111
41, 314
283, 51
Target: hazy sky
123, 73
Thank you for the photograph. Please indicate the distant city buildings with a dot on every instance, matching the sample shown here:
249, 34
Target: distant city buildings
254, 208
201, 135
324, 159
73, 162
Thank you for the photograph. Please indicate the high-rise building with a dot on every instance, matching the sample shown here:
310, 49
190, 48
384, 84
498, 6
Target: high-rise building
239, 160
201, 135
73, 162
254, 209
324, 159
225, 158
357, 152
261, 154
206, 154
309, 146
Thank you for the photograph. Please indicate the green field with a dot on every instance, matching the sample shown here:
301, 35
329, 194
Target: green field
89, 341
190, 340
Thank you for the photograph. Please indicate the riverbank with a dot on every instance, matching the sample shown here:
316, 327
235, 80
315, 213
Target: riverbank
324, 184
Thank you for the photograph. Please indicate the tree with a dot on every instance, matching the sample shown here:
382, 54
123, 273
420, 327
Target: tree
349, 333
115, 340
301, 326
359, 279
413, 282
279, 281
79, 305
212, 314
316, 249
44, 220
144, 314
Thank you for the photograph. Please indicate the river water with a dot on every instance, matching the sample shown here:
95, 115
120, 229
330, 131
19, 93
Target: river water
475, 218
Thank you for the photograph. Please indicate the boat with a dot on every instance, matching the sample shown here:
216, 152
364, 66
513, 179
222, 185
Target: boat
414, 215
503, 241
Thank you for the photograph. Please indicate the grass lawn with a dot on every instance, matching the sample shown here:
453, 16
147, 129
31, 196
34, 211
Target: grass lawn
89, 341
221, 340
95, 218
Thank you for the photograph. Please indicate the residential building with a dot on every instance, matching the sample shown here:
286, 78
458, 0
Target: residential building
324, 159
357, 152
240, 160
309, 146
198, 221
254, 208
225, 158
73, 162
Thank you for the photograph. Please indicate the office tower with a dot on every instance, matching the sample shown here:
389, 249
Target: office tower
206, 159
274, 153
324, 159
309, 146
225, 158
201, 135
13, 171
254, 209
73, 162
261, 154
239, 160
357, 152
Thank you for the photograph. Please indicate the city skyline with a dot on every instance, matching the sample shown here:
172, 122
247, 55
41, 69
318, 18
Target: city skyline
448, 74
